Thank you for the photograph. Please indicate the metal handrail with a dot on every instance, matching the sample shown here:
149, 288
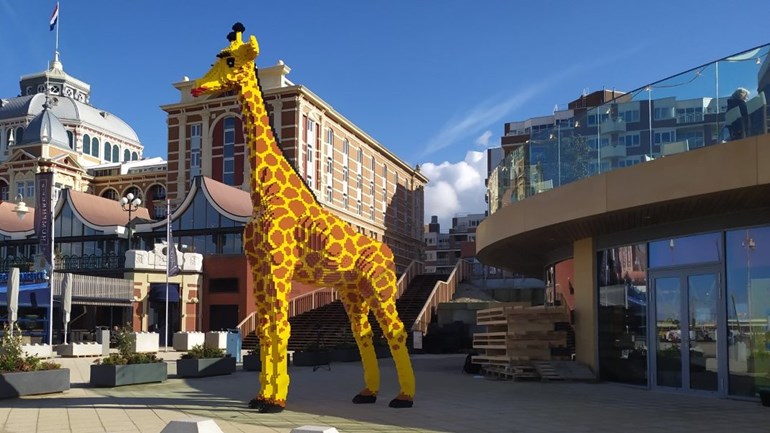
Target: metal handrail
443, 291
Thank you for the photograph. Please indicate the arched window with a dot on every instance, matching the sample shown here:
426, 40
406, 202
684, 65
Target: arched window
86, 144
95, 146
8, 134
71, 139
134, 156
126, 155
136, 192
19, 134
107, 151
110, 194
115, 153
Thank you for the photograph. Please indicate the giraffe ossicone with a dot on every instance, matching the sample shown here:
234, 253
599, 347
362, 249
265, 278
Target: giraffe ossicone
292, 237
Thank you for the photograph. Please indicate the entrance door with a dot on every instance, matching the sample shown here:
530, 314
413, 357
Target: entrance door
688, 325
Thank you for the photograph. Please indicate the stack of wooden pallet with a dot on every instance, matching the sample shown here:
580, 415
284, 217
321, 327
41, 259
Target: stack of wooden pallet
516, 335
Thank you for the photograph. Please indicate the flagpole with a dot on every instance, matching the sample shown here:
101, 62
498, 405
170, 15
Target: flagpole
58, 13
169, 250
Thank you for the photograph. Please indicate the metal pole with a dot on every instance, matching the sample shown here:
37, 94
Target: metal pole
53, 255
170, 249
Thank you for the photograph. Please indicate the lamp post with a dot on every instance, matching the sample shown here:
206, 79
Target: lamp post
750, 245
130, 204
21, 208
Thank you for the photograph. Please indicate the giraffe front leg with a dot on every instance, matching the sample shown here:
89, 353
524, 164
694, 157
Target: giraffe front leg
272, 396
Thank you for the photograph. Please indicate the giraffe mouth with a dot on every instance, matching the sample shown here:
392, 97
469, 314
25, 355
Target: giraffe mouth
198, 91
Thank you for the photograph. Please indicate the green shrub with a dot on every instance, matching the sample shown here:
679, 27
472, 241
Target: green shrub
199, 351
12, 357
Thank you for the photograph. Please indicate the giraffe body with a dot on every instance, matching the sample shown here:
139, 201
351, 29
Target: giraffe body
292, 237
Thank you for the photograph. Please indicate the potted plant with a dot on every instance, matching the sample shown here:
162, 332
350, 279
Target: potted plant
203, 361
127, 367
252, 361
27, 375
345, 352
312, 354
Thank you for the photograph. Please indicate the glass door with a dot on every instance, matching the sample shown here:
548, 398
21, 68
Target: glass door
686, 320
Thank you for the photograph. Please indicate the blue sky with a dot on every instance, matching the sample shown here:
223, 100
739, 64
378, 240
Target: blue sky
431, 80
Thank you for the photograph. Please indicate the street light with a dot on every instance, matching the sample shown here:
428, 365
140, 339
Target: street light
21, 208
130, 204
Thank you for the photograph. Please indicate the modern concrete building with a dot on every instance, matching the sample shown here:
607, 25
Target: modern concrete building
649, 212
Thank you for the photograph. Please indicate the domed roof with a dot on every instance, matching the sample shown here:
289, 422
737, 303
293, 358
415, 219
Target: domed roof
45, 128
68, 110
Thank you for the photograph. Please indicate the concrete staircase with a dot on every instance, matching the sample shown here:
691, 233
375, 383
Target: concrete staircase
329, 325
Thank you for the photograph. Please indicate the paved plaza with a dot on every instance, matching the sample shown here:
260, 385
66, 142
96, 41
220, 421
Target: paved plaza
447, 401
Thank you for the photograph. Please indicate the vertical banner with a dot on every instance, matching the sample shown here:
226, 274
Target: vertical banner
172, 264
43, 217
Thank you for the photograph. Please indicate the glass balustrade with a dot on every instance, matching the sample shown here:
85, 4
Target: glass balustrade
715, 103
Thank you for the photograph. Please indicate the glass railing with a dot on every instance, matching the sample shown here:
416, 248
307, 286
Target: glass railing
715, 103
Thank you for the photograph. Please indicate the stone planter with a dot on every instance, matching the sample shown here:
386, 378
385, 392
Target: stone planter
184, 341
309, 359
216, 339
34, 382
204, 367
145, 342
80, 349
38, 350
252, 363
345, 355
119, 375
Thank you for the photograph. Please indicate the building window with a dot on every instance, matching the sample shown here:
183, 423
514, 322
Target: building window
345, 148
665, 137
71, 140
20, 188
345, 199
329, 196
371, 213
95, 147
358, 181
223, 285
126, 155
87, 144
159, 211
629, 140
228, 164
371, 188
107, 151
195, 149
663, 113
345, 173
629, 116
134, 156
115, 153
384, 200
358, 207
19, 135
360, 157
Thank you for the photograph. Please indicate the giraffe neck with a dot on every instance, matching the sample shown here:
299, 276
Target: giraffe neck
268, 163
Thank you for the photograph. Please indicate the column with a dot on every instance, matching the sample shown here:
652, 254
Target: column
586, 344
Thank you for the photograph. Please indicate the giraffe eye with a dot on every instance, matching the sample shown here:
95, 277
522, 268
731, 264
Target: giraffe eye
230, 62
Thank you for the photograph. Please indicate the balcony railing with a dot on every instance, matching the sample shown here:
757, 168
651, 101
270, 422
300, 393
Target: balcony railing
697, 108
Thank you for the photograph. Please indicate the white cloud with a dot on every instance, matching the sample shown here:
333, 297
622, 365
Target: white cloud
455, 188
490, 112
483, 139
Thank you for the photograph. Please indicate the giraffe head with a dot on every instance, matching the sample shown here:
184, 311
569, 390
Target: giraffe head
234, 63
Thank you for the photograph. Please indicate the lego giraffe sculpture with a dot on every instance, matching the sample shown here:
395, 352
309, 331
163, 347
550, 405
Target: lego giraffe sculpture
291, 237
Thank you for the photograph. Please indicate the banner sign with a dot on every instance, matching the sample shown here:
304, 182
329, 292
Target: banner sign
43, 216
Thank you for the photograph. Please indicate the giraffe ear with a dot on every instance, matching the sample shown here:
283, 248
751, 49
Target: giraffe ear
254, 46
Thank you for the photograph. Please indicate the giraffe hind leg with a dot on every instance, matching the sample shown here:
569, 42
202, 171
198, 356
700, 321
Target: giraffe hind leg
358, 313
383, 302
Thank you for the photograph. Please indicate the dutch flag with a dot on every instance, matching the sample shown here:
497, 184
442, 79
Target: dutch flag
54, 16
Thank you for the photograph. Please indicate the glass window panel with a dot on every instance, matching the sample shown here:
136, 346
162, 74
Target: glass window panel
668, 331
705, 248
748, 310
622, 323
